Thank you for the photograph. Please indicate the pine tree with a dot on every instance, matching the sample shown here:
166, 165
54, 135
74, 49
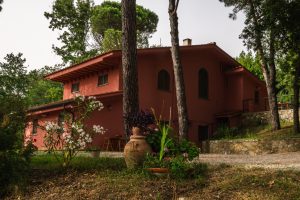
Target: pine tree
178, 71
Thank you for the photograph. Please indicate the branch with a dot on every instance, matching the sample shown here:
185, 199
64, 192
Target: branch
176, 7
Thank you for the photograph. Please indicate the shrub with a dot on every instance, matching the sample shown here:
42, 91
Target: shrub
225, 132
14, 160
182, 169
66, 140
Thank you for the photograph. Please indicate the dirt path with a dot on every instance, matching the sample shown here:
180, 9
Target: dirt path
285, 161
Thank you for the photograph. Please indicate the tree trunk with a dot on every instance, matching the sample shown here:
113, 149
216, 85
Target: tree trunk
268, 69
178, 71
129, 61
296, 97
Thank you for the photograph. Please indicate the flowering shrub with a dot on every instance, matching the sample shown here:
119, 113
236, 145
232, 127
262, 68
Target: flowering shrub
72, 135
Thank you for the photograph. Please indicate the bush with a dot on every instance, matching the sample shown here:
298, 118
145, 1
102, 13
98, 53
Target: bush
225, 132
182, 169
14, 159
174, 147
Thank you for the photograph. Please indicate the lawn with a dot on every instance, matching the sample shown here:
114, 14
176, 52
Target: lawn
108, 178
262, 131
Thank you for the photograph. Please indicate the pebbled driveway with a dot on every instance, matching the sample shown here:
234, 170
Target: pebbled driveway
284, 161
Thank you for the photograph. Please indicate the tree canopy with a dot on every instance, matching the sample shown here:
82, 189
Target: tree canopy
13, 76
72, 18
251, 62
108, 16
262, 33
41, 91
87, 29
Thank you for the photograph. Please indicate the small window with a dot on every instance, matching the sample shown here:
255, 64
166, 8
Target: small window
203, 84
75, 87
34, 126
256, 97
163, 80
202, 133
102, 79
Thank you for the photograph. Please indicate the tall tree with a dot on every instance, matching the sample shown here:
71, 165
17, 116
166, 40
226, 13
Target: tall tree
178, 71
107, 16
251, 62
1, 1
72, 17
41, 91
13, 76
129, 61
290, 45
261, 33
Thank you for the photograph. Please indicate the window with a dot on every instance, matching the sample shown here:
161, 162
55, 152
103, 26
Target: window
163, 81
256, 97
203, 84
34, 126
75, 87
202, 133
60, 119
102, 79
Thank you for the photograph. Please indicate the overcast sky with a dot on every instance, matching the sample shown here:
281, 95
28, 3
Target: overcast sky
25, 29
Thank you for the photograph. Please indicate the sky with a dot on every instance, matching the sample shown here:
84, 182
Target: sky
23, 28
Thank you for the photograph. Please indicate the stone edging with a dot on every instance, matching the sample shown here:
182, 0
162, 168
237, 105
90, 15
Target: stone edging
251, 147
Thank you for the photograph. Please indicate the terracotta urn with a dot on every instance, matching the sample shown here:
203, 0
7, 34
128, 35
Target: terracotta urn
136, 149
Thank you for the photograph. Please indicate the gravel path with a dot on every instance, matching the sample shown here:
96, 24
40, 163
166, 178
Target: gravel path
286, 161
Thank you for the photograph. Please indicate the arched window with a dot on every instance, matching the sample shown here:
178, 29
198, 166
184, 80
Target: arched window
163, 80
203, 84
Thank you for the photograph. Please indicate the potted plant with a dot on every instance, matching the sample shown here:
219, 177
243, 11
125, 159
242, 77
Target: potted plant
170, 155
95, 151
158, 163
136, 149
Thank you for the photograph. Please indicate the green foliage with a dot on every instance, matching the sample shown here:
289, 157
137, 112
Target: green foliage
153, 139
64, 142
13, 170
178, 166
107, 16
13, 76
72, 18
14, 159
181, 169
41, 91
186, 147
87, 29
173, 146
164, 141
112, 40
225, 132
152, 160
251, 62
80, 163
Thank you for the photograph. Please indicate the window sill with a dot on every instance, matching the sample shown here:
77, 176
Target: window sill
102, 85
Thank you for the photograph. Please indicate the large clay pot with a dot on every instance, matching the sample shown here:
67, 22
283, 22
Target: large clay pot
135, 150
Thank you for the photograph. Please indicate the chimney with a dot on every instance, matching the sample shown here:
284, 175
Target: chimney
187, 42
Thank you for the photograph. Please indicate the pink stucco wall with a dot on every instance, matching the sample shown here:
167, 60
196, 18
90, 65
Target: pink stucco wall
226, 92
88, 84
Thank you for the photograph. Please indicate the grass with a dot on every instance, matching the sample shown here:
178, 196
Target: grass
108, 178
80, 163
262, 131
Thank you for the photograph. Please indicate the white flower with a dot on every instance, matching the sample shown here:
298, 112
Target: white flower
91, 98
98, 129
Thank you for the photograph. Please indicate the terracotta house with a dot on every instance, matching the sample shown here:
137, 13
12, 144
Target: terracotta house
218, 90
